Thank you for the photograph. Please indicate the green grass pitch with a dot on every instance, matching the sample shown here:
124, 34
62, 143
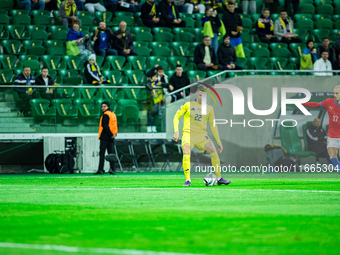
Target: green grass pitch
150, 213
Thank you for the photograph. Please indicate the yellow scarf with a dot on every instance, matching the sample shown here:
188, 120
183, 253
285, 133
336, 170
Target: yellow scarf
153, 11
284, 25
70, 9
174, 11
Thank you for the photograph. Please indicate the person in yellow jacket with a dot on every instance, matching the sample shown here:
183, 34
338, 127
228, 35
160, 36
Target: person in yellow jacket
108, 130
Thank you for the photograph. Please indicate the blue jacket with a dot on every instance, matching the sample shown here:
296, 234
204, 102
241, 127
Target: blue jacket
22, 80
73, 35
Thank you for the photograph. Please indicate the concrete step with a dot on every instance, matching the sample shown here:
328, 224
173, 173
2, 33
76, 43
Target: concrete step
8, 114
17, 130
17, 120
9, 126
8, 104
4, 110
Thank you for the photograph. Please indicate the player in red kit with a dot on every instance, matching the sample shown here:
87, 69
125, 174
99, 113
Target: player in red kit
332, 105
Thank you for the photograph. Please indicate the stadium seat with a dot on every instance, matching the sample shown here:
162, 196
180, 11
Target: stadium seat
274, 16
4, 35
307, 8
84, 13
39, 35
6, 76
281, 64
34, 47
143, 51
135, 77
180, 48
8, 61
54, 29
337, 24
242, 62
56, 50
324, 9
246, 36
66, 111
261, 52
318, 17
337, 10
324, 24
190, 22
57, 20
73, 80
42, 111
85, 31
103, 16
4, 20
42, 20
163, 37
307, 24
184, 37
296, 49
177, 61
138, 94
157, 30
274, 46
258, 63
130, 111
162, 63
247, 23
68, 73
137, 30
130, 21
53, 62
300, 16
258, 45
302, 34
88, 110
247, 52
114, 76
89, 93
196, 75
199, 34
13, 47
198, 20
15, 12
59, 35
290, 140
154, 60
86, 21
281, 52
18, 32
137, 62
137, 44
161, 52
320, 33
144, 37
40, 13
73, 62
117, 62
50, 43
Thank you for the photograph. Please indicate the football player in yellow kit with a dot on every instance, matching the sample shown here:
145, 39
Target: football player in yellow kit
195, 134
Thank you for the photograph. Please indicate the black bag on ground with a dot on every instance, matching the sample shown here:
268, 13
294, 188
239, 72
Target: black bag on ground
274, 153
289, 161
60, 163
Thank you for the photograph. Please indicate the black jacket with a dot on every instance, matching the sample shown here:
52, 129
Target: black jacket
226, 54
40, 81
146, 9
179, 82
126, 40
164, 9
22, 80
231, 22
199, 54
109, 35
319, 145
106, 134
152, 72
262, 32
330, 50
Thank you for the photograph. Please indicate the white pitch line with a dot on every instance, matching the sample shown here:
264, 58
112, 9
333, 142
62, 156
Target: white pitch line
72, 249
188, 189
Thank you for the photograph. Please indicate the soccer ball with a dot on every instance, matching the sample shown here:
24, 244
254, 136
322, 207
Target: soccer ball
210, 179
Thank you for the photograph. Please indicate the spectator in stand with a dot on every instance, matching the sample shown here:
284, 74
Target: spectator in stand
337, 51
80, 5
322, 65
170, 14
68, 13
26, 93
227, 55
150, 15
204, 56
212, 27
123, 41
264, 27
159, 70
325, 46
284, 29
249, 3
295, 6
308, 56
129, 6
179, 80
45, 79
94, 5
215, 4
194, 6
52, 5
33, 4
182, 5
92, 72
80, 40
102, 38
111, 5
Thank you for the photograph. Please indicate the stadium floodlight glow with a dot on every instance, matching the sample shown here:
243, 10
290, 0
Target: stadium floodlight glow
238, 100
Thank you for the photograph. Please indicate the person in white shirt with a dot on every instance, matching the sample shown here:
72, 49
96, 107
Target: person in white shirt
322, 65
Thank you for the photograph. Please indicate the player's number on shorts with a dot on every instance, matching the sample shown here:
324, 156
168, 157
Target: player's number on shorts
198, 117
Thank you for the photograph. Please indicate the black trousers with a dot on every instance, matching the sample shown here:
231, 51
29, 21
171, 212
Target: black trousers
292, 40
151, 24
105, 145
295, 6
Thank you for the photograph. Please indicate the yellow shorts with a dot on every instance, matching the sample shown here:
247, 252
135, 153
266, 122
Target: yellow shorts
198, 141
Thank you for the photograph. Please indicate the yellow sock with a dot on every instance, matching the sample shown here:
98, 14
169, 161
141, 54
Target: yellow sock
186, 166
215, 162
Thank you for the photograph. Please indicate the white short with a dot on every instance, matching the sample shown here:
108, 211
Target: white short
333, 142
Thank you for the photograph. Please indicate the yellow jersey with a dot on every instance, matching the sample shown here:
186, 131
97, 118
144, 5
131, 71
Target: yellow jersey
194, 122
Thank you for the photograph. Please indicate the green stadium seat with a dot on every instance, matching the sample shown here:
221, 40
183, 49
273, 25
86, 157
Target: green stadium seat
198, 20
307, 8
281, 64
6, 76
144, 37
196, 75
34, 47
295, 61
100, 62
60, 35
274, 16
56, 50
50, 43
66, 111
18, 12
112, 93
161, 52
324, 9
296, 49
116, 28
4, 35
123, 14
68, 73
247, 23
177, 61
336, 17
8, 61
143, 51
336, 3
13, 47
302, 34
86, 21
53, 62
163, 37
318, 17
159, 45
114, 76
300, 16
130, 20
4, 20
255, 17
73, 80
73, 62
33, 64
137, 44
307, 24
57, 20
32, 43
39, 35
18, 32
324, 24
337, 24
319, 2
54, 29
258, 63
259, 45
274, 46
88, 110
85, 31
117, 62
337, 10
199, 34
261, 52
242, 62
290, 140
23, 20
137, 62
89, 93
135, 77
180, 48
138, 94
180, 30
137, 30
190, 22
103, 16
130, 111
321, 33
40, 13
164, 64
154, 60
281, 52
84, 13
23, 58
42, 20
42, 111
184, 37
157, 30
247, 52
